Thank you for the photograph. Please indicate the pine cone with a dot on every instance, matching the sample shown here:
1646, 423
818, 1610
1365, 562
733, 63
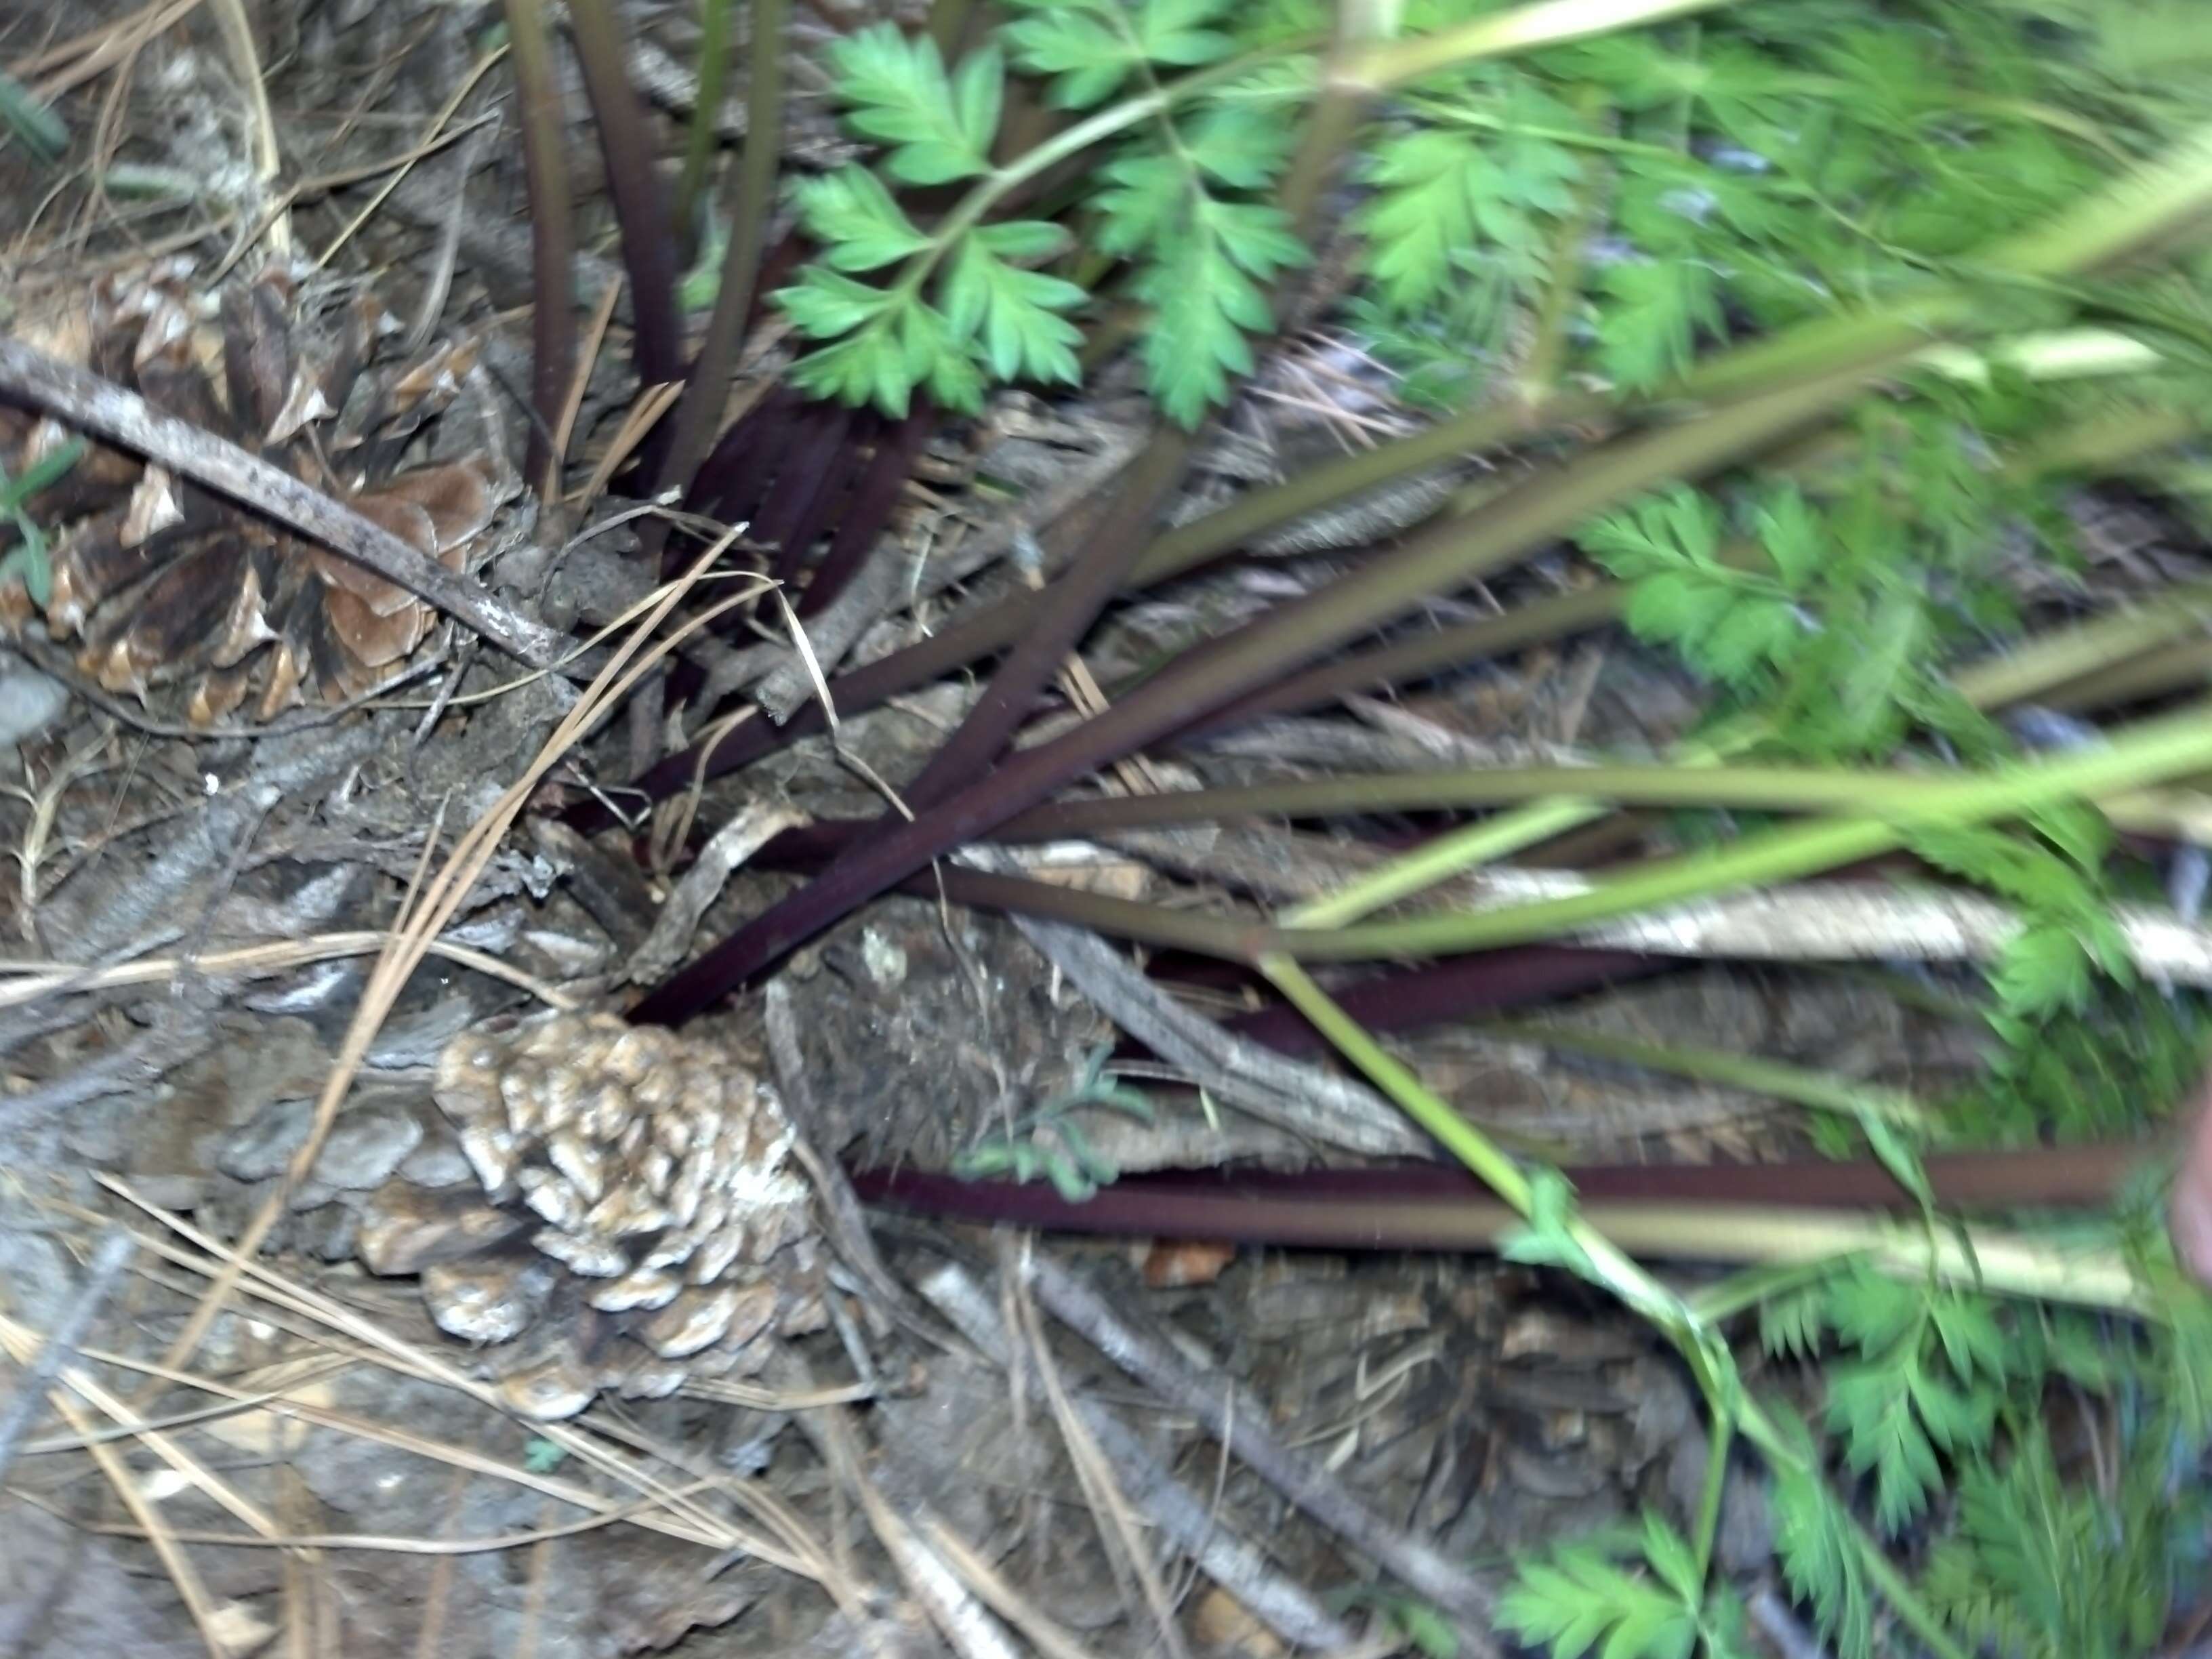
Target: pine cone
636, 1218
165, 582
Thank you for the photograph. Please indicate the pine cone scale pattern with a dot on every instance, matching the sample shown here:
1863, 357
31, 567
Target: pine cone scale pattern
162, 582
640, 1220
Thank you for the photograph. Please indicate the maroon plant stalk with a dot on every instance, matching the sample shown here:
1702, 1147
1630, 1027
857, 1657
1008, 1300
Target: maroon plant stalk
1434, 1207
1447, 992
1116, 545
736, 474
1111, 548
1071, 605
699, 411
1432, 994
1179, 550
860, 525
545, 173
816, 463
1446, 556
1423, 654
648, 238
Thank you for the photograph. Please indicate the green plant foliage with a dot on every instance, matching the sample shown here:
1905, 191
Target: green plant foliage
2100, 1071
1603, 216
965, 306
1472, 208
2056, 882
1093, 47
1050, 1142
1582, 1599
1201, 255
1820, 1560
27, 561
2042, 1568
1926, 1380
34, 124
984, 315
936, 127
1829, 613
1425, 1630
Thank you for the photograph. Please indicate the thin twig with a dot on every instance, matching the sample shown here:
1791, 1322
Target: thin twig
84, 399
1302, 1098
1307, 1484
61, 1344
1236, 1564
45, 979
751, 828
1111, 1512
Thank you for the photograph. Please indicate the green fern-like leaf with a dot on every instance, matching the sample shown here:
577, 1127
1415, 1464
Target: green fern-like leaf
1579, 1599
1204, 281
1928, 1379
1791, 1324
1014, 315
896, 90
1448, 198
854, 216
1736, 626
1870, 1406
1091, 48
1657, 309
2045, 1571
1820, 1560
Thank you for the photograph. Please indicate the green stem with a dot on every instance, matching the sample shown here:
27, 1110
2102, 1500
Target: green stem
2184, 664
1696, 779
2138, 212
1458, 850
1540, 370
1730, 1408
1459, 1137
705, 388
2055, 659
948, 25
1525, 28
1444, 111
2149, 753
699, 142
1739, 1292
1721, 1436
545, 172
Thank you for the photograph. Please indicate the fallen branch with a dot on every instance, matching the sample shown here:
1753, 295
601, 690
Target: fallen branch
1848, 920
1238, 1422
85, 400
1224, 1555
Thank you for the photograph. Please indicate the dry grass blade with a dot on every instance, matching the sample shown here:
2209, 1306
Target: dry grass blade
21, 1343
645, 414
1001, 1597
237, 29
98, 49
966, 1628
672, 1512
400, 1544
205, 1615
106, 1266
434, 137
595, 337
1116, 1521
45, 979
